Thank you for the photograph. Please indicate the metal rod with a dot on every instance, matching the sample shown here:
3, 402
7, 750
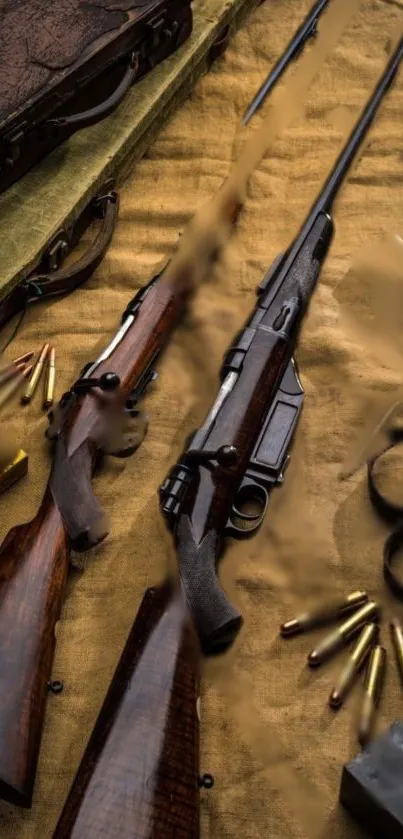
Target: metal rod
292, 51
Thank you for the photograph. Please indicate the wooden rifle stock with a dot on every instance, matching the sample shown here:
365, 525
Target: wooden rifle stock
138, 778
33, 570
34, 557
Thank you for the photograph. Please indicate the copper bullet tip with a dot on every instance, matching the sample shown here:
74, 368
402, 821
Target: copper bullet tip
313, 659
44, 352
22, 359
335, 700
27, 372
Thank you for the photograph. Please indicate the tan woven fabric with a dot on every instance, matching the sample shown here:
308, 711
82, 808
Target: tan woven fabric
275, 749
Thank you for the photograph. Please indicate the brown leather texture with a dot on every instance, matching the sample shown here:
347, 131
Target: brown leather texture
72, 58
57, 36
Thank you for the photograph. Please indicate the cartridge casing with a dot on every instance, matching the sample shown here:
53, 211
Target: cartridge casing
373, 687
12, 386
341, 636
396, 632
352, 667
36, 375
50, 380
329, 612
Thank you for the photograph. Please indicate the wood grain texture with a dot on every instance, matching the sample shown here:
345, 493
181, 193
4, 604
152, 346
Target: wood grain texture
55, 192
33, 571
138, 778
34, 557
60, 36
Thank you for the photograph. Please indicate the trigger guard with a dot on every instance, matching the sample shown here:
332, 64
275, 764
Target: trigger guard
231, 528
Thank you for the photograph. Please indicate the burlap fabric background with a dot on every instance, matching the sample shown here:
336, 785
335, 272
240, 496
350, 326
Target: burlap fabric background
275, 749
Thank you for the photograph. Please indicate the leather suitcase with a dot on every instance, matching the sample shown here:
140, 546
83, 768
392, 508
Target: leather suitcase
66, 64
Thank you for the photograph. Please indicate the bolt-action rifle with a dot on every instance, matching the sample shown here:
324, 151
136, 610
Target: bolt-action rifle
138, 778
90, 420
221, 485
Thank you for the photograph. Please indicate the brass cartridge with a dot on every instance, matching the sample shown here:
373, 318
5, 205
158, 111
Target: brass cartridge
36, 375
14, 470
49, 389
341, 636
12, 386
396, 632
329, 612
353, 664
23, 359
373, 687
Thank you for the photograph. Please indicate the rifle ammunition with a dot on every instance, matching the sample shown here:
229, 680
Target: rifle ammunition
396, 632
337, 639
373, 686
14, 471
49, 390
353, 665
327, 613
11, 388
10, 372
36, 375
22, 359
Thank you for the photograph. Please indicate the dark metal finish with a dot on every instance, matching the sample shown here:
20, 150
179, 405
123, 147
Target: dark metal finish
256, 413
307, 30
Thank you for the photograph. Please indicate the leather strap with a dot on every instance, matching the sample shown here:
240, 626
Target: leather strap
42, 286
75, 122
390, 512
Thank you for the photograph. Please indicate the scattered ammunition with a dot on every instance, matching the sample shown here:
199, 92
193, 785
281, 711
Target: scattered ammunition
11, 387
14, 471
353, 664
23, 359
373, 687
327, 613
10, 372
36, 375
341, 636
396, 632
49, 390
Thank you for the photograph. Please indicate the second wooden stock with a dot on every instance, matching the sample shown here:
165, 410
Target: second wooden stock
138, 778
34, 561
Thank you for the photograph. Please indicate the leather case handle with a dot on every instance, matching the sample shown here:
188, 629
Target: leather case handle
41, 286
64, 280
74, 122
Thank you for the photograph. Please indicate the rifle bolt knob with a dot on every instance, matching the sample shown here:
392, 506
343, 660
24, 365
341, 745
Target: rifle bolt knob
109, 381
227, 455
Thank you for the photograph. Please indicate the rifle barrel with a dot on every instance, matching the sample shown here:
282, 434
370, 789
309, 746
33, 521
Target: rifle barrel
305, 31
358, 133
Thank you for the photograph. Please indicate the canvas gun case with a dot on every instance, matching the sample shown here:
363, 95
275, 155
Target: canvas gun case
73, 188
66, 64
